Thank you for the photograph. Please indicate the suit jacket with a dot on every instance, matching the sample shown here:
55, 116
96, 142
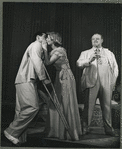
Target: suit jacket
31, 65
89, 76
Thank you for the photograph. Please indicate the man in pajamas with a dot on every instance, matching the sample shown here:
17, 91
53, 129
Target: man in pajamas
100, 72
27, 100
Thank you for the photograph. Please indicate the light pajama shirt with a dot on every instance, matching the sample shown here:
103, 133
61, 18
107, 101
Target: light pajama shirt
27, 100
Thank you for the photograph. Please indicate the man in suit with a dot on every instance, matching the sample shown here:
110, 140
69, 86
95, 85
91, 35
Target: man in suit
27, 99
100, 71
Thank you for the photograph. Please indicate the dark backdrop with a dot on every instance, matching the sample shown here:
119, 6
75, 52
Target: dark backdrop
76, 22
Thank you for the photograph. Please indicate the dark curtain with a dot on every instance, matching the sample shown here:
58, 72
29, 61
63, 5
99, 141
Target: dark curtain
76, 22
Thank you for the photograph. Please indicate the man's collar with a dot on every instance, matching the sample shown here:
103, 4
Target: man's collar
94, 48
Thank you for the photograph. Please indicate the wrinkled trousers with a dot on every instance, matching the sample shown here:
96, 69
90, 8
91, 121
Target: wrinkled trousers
27, 106
104, 93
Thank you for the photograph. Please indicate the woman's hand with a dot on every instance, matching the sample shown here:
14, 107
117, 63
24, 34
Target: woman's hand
44, 45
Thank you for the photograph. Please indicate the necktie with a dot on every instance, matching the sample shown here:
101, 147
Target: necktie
99, 61
97, 51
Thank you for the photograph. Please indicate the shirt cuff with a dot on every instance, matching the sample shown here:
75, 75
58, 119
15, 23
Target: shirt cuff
86, 63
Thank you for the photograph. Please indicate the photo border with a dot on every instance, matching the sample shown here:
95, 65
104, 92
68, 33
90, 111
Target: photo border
50, 1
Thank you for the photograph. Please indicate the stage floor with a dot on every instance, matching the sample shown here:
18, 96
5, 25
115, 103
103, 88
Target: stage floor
95, 139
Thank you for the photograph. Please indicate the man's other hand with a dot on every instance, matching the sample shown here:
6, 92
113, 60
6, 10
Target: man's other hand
46, 82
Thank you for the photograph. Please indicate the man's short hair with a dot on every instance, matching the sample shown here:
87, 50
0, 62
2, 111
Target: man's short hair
38, 33
97, 34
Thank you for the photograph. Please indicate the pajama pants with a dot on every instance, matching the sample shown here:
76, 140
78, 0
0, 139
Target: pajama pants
27, 106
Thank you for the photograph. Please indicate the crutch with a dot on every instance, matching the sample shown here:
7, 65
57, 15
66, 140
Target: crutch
57, 106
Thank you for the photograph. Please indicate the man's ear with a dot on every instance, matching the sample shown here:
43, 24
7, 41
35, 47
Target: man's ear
37, 36
102, 40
